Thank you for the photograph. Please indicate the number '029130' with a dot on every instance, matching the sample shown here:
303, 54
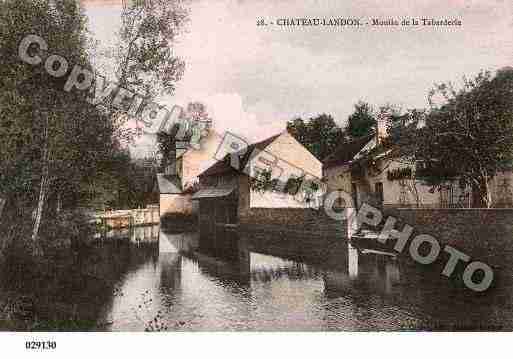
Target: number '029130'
35, 345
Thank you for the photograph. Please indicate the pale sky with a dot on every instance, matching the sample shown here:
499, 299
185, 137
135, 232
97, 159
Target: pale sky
254, 79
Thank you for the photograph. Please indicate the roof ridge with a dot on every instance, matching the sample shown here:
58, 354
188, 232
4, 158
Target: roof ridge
352, 147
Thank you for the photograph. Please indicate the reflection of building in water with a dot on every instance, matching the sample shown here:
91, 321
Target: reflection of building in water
236, 270
177, 242
352, 253
256, 267
265, 268
145, 234
170, 271
134, 234
392, 275
369, 272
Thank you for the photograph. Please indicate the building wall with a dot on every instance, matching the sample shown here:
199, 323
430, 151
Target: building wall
395, 196
484, 234
394, 193
176, 203
244, 195
295, 160
502, 191
293, 221
338, 178
288, 149
281, 200
193, 162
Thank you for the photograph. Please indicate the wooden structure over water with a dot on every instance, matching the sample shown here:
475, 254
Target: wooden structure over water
128, 218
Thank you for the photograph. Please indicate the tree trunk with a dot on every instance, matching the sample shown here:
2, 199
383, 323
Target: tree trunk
38, 211
481, 196
2, 204
37, 214
59, 202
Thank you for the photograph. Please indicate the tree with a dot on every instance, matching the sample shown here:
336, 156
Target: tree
179, 138
51, 139
361, 122
320, 135
145, 61
468, 137
472, 132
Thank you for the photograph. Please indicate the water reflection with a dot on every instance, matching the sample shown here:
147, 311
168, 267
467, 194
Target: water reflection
372, 273
135, 234
178, 242
172, 286
352, 254
194, 291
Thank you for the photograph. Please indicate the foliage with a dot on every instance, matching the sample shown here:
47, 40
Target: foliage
320, 135
55, 146
466, 135
122, 183
263, 182
362, 121
145, 60
471, 133
197, 117
399, 174
51, 139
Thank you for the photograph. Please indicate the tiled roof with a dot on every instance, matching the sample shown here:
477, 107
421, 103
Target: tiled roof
214, 192
346, 151
224, 166
169, 184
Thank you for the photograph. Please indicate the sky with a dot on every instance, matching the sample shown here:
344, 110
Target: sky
253, 79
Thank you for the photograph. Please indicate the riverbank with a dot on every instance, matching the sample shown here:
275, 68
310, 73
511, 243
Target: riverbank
63, 292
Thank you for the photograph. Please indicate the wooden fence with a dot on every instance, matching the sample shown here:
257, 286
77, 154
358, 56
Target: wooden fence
129, 218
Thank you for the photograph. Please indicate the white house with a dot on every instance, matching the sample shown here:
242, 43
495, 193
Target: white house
180, 179
387, 182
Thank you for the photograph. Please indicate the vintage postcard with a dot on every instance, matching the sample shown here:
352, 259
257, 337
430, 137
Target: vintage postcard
255, 166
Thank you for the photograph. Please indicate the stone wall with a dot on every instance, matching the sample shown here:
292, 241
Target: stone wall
176, 203
294, 221
484, 234
301, 233
243, 192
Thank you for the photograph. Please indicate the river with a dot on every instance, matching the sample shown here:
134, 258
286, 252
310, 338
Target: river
184, 290
176, 288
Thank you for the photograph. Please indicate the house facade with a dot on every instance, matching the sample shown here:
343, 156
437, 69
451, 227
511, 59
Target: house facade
376, 180
386, 182
179, 180
226, 194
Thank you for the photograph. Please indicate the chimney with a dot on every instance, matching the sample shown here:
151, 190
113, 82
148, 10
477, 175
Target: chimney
381, 126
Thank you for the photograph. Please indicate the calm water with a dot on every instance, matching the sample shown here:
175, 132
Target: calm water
180, 291
137, 287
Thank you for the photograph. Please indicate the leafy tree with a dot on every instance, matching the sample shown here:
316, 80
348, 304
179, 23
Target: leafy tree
51, 139
197, 118
471, 133
320, 135
468, 137
145, 61
362, 121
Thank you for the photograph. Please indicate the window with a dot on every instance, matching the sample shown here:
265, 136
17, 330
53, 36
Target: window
340, 202
354, 194
378, 189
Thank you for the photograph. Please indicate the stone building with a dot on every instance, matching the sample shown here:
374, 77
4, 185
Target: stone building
180, 178
386, 182
227, 199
